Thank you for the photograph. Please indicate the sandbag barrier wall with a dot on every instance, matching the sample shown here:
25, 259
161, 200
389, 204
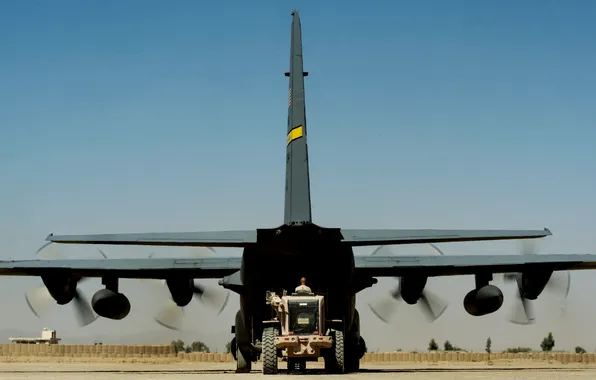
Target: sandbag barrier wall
88, 350
427, 357
167, 351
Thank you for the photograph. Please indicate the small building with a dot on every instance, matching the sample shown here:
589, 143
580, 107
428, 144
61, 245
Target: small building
47, 337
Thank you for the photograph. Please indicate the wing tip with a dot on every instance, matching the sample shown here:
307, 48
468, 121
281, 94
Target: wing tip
547, 231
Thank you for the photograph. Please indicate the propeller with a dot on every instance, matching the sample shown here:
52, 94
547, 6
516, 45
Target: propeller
430, 304
40, 299
171, 315
523, 308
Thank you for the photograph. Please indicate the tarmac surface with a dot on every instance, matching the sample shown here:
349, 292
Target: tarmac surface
120, 371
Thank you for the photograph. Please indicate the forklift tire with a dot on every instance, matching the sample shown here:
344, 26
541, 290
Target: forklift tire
269, 351
335, 359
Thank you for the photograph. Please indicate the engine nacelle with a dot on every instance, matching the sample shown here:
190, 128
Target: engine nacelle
61, 288
181, 290
531, 284
411, 288
483, 301
109, 304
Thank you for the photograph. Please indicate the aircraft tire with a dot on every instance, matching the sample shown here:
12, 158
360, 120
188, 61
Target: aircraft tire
242, 365
269, 351
354, 352
352, 362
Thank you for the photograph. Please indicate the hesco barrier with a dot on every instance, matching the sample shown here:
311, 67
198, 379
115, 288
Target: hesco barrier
167, 351
424, 357
88, 350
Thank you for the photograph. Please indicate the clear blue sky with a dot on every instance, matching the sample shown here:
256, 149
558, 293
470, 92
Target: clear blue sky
124, 116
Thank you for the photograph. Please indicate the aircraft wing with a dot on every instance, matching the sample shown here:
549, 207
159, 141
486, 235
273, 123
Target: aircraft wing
359, 238
454, 265
375, 266
211, 267
197, 239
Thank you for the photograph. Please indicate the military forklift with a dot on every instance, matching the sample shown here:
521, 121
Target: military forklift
299, 332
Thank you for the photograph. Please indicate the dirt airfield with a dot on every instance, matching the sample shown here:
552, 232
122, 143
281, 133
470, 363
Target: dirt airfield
18, 369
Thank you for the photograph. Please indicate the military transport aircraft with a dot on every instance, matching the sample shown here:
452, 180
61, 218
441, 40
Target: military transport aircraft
275, 258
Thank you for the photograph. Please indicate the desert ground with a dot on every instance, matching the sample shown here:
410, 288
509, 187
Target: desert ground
108, 371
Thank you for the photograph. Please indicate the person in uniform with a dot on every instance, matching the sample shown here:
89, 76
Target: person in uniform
303, 288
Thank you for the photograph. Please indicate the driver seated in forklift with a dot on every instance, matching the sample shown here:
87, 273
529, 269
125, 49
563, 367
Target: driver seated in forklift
303, 288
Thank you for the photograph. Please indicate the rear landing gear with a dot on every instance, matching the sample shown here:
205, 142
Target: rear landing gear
355, 351
243, 363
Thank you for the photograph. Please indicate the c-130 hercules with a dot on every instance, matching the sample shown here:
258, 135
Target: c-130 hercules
274, 259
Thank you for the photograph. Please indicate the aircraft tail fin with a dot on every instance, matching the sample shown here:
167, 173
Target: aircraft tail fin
297, 208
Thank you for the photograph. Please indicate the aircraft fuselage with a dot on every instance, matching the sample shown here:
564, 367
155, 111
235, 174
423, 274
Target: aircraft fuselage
329, 270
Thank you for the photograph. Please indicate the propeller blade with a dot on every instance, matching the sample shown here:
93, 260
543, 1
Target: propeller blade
528, 247
225, 303
39, 300
385, 308
49, 251
171, 316
382, 250
211, 297
523, 310
525, 247
83, 310
436, 249
52, 251
559, 283
197, 250
385, 250
102, 253
432, 305
192, 251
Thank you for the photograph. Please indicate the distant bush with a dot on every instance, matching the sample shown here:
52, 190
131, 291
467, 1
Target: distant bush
194, 347
450, 347
548, 343
579, 350
178, 345
432, 345
516, 350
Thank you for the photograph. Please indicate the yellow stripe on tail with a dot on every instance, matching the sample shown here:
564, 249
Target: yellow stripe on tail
295, 133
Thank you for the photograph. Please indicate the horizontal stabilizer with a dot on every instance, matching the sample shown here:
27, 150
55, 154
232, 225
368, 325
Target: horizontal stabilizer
360, 238
238, 239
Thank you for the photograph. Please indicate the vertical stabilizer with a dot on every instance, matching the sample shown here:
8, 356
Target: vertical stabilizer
297, 203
